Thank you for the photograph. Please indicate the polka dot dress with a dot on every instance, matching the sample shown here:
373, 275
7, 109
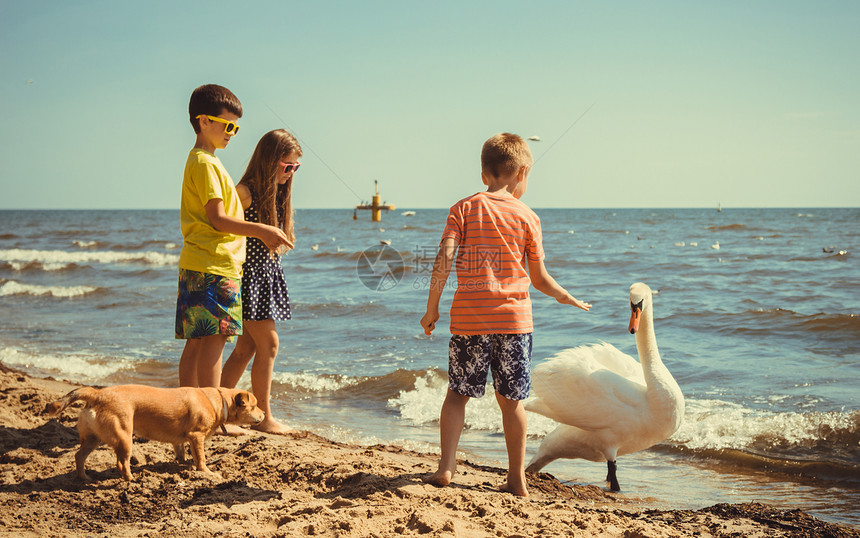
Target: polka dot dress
264, 287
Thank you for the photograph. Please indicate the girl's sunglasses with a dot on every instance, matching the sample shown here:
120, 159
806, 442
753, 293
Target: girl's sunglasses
229, 127
289, 167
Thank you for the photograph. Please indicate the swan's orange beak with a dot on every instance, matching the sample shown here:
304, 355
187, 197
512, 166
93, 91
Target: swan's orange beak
634, 319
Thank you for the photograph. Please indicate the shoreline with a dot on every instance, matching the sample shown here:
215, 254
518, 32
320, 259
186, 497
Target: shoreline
293, 486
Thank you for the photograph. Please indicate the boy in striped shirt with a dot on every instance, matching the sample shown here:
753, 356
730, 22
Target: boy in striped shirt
499, 253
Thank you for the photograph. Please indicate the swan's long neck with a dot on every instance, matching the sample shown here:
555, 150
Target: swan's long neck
664, 395
646, 344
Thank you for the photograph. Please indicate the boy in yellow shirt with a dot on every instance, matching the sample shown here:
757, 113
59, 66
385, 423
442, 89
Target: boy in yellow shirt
209, 302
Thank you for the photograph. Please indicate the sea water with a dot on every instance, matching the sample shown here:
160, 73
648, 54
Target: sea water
757, 316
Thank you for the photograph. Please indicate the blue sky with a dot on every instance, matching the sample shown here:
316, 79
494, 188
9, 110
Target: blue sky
692, 103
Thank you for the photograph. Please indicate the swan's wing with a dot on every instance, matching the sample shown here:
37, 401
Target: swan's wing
592, 402
536, 405
584, 360
569, 442
575, 388
628, 392
614, 360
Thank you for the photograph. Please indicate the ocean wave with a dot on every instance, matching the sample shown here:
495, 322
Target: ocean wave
720, 424
76, 232
839, 255
730, 460
414, 403
822, 445
610, 231
774, 321
383, 388
420, 403
797, 439
378, 388
81, 368
11, 287
827, 323
338, 309
55, 259
770, 321
337, 254
304, 384
727, 227
23, 267
416, 396
143, 245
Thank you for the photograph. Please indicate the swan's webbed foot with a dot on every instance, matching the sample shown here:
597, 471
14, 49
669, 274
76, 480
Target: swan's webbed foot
610, 476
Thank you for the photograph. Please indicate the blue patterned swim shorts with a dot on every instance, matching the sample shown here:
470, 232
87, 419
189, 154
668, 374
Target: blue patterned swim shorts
208, 304
507, 355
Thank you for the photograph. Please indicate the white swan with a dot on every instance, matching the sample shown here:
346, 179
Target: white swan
608, 403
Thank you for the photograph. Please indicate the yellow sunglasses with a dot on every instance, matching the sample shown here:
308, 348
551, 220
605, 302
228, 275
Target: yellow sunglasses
229, 127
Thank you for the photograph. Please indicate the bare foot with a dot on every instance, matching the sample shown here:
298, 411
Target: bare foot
440, 478
232, 430
274, 427
518, 491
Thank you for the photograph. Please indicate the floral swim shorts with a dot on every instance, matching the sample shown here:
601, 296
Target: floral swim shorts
507, 355
208, 304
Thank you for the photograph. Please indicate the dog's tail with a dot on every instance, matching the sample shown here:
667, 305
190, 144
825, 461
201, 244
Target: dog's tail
86, 394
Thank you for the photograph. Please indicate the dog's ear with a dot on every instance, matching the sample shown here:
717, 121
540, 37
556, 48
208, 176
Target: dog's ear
243, 399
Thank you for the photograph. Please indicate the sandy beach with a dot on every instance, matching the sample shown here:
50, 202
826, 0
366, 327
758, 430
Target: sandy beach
310, 486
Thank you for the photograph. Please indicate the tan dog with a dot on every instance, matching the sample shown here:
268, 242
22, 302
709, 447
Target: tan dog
177, 416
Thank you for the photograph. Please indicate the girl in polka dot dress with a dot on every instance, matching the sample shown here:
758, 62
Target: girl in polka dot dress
265, 191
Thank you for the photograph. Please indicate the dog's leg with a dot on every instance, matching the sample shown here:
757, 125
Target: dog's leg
89, 441
88, 444
179, 450
123, 457
118, 434
198, 452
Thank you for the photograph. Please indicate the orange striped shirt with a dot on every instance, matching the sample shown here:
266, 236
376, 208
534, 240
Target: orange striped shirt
496, 235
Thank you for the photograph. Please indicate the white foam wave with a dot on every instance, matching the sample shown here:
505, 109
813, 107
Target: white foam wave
708, 424
716, 424
58, 259
313, 382
352, 437
21, 266
421, 404
12, 287
75, 368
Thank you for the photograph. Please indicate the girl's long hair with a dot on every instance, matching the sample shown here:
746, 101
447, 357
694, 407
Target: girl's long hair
261, 177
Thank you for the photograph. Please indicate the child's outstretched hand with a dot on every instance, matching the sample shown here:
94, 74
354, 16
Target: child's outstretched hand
573, 301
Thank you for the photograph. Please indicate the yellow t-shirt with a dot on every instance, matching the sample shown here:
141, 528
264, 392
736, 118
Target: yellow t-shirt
205, 249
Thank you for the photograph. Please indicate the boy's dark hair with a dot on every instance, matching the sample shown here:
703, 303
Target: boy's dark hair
211, 100
504, 154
